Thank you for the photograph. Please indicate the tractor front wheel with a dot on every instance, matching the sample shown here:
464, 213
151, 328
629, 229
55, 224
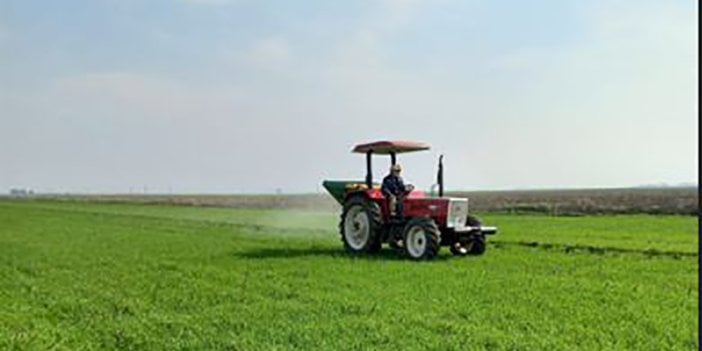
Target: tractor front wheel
471, 245
421, 239
474, 245
477, 245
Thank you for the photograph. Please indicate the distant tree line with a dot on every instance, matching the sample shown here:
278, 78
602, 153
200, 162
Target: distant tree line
21, 192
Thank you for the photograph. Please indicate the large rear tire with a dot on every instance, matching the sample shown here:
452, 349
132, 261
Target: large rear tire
421, 239
360, 226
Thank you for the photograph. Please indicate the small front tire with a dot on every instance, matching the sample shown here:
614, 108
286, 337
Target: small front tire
475, 246
421, 238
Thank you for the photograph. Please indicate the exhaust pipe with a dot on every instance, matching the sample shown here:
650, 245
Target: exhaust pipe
440, 176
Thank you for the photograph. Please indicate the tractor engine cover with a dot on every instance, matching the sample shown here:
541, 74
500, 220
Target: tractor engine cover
446, 212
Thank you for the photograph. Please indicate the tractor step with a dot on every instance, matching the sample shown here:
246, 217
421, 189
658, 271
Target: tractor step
397, 221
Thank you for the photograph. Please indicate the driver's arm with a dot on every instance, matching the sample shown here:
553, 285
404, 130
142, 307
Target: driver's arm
402, 187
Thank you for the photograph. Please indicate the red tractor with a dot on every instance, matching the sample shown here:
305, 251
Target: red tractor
425, 224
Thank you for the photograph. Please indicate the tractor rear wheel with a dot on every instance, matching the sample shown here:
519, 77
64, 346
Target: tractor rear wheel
360, 226
421, 239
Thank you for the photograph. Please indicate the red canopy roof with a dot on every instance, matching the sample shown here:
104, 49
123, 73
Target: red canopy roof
387, 147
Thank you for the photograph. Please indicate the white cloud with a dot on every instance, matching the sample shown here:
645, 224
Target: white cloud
399, 13
267, 53
271, 52
135, 98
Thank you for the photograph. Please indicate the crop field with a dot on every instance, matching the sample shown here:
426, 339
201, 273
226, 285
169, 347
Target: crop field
81, 275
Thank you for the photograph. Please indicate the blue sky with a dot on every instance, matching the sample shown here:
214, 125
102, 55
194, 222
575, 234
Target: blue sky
250, 96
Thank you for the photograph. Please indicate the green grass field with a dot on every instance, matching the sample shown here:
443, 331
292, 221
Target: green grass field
118, 276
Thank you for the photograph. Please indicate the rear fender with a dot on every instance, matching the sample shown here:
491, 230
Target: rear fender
374, 195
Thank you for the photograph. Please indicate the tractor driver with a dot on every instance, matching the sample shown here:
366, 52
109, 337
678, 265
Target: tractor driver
394, 188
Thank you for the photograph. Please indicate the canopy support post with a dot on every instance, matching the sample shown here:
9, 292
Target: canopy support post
369, 170
440, 176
